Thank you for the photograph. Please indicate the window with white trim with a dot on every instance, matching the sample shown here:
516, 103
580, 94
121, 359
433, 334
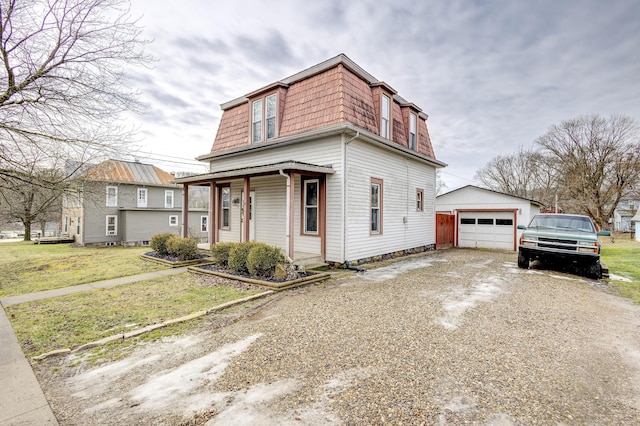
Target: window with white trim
112, 196
376, 206
204, 223
310, 198
142, 197
225, 207
173, 220
112, 225
264, 118
78, 225
385, 113
66, 224
412, 131
270, 117
420, 200
168, 199
256, 121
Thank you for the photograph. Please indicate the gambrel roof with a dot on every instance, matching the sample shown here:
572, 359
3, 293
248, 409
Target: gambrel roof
336, 91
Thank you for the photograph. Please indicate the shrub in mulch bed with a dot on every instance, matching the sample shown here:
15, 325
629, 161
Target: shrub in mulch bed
291, 274
169, 258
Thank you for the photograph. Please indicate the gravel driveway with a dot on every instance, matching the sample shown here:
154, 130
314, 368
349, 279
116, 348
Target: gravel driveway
449, 337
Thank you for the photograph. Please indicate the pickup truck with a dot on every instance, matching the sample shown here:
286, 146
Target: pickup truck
561, 238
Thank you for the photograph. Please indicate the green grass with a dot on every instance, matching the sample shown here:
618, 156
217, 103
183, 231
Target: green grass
70, 321
27, 268
624, 261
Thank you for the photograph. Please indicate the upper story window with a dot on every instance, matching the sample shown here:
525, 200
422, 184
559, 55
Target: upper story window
266, 115
168, 199
412, 131
142, 197
385, 113
112, 196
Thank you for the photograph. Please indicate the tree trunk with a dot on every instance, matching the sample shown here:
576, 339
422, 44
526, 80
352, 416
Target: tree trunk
27, 230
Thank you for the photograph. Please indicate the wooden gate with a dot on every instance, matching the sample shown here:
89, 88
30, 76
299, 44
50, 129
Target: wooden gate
445, 230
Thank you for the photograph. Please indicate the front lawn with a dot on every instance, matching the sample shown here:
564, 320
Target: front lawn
27, 268
70, 321
624, 261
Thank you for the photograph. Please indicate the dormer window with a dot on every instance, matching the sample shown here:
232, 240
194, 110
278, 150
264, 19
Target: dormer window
259, 114
385, 112
412, 131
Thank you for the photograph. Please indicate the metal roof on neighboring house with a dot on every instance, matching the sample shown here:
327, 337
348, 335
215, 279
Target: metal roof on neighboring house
129, 172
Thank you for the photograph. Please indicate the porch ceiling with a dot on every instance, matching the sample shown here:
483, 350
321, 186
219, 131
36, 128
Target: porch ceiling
267, 169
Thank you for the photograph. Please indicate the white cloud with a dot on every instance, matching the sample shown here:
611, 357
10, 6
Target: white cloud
491, 75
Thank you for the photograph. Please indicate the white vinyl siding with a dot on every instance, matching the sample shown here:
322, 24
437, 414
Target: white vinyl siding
320, 152
400, 176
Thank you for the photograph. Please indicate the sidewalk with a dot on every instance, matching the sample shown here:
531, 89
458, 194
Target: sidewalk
22, 401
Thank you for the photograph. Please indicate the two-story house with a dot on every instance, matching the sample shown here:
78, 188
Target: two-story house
623, 214
126, 203
329, 163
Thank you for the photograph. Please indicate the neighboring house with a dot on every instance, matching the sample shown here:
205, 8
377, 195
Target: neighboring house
623, 214
635, 223
486, 218
329, 164
126, 203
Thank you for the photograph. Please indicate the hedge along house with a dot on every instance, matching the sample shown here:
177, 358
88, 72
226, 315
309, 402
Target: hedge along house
126, 203
329, 164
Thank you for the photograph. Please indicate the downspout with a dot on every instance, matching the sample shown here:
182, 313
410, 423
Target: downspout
344, 196
287, 214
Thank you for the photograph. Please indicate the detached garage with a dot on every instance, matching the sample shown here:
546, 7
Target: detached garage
486, 218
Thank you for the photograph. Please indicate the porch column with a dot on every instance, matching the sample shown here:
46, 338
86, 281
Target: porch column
291, 216
213, 210
185, 210
246, 212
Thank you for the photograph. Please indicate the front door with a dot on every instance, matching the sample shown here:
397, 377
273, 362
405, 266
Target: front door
252, 214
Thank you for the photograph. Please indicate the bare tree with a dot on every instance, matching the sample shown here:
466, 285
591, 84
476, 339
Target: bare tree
597, 161
30, 201
61, 85
523, 174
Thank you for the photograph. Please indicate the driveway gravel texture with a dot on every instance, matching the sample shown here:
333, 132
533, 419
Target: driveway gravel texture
448, 337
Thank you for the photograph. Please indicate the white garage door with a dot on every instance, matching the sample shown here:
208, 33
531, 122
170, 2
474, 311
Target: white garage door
486, 230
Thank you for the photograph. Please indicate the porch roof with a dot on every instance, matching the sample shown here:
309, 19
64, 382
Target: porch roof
266, 169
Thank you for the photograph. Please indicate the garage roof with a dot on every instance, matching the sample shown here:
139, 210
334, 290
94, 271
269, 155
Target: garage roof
491, 190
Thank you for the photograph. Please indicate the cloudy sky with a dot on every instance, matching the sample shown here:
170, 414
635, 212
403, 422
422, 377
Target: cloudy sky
491, 75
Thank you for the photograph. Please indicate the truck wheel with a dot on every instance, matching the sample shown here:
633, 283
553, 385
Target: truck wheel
595, 270
523, 261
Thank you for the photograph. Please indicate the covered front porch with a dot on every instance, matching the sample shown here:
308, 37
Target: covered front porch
281, 204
